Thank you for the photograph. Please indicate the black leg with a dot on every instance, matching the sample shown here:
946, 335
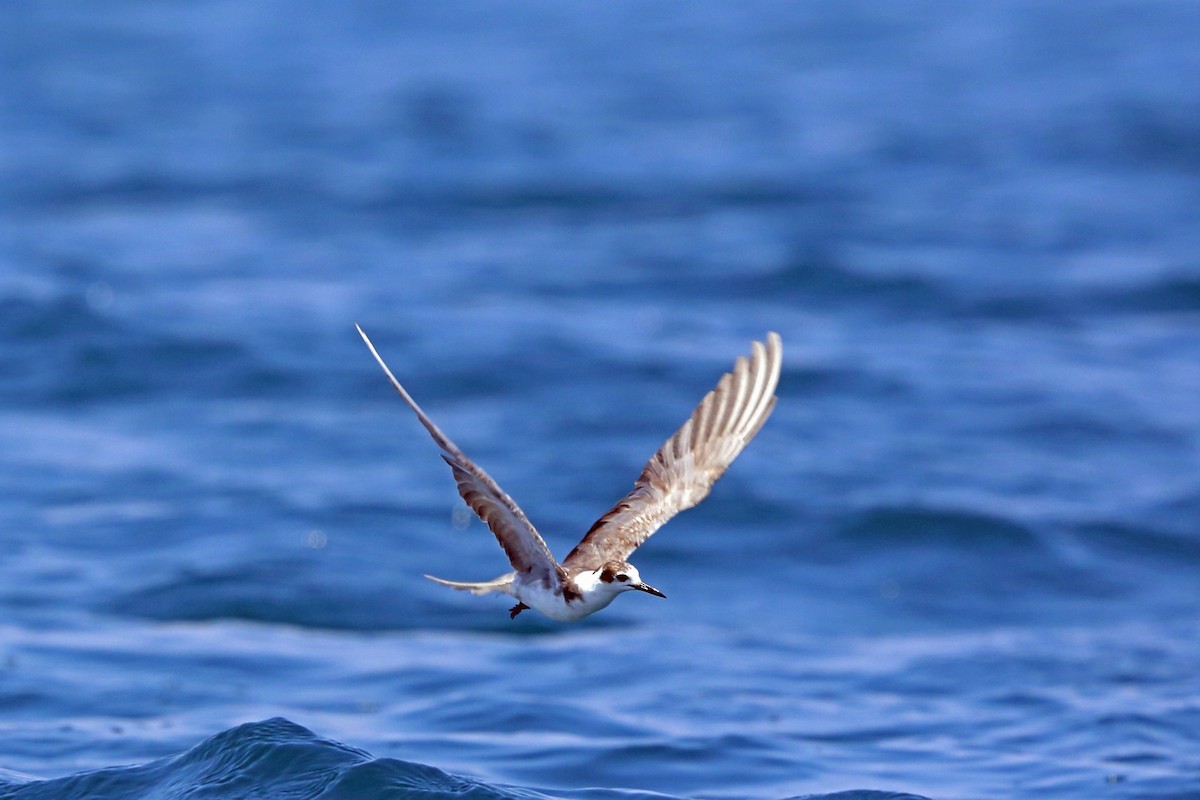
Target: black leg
517, 609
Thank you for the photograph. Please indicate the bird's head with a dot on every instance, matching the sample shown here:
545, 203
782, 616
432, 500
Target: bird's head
621, 576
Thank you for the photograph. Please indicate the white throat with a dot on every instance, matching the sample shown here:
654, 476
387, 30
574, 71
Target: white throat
595, 594
592, 588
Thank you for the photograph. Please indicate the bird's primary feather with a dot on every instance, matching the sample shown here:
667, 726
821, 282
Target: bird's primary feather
524, 546
684, 469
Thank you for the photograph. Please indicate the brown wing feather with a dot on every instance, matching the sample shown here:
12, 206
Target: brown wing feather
525, 548
684, 469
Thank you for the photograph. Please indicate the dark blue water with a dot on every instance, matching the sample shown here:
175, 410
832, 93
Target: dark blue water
962, 560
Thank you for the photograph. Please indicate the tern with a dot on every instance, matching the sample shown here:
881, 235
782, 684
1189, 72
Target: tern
676, 478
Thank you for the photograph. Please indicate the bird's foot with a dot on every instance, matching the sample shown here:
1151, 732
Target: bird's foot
517, 609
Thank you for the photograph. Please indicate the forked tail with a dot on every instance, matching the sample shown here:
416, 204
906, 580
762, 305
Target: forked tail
503, 584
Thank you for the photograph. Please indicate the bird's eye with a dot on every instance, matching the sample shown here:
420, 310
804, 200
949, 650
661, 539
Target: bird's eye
623, 577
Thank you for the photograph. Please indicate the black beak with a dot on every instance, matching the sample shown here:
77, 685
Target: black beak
648, 589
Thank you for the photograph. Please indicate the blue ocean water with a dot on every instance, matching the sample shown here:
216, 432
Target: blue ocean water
962, 560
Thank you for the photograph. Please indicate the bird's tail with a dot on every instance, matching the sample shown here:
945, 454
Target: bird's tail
503, 584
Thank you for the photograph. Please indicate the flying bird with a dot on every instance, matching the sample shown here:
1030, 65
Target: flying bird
676, 478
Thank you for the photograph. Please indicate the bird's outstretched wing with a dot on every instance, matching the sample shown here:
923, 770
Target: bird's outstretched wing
684, 469
521, 542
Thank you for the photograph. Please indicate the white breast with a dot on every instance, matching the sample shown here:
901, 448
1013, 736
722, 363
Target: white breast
595, 596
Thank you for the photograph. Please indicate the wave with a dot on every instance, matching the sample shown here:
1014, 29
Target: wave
277, 758
943, 526
98, 358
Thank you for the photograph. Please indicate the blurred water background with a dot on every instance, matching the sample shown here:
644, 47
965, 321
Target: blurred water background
962, 560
